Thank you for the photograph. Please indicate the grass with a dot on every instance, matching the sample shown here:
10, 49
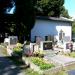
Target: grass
72, 54
31, 72
4, 51
62, 73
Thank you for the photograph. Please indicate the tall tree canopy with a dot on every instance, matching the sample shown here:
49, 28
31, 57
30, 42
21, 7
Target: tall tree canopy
73, 27
25, 17
49, 7
64, 12
21, 21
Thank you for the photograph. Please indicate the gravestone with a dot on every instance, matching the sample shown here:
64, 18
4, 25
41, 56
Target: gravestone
46, 45
38, 40
32, 46
11, 43
36, 48
66, 47
13, 40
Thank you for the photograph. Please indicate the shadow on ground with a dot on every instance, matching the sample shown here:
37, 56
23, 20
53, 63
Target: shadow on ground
7, 67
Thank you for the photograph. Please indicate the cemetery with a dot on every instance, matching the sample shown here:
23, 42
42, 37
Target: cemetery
37, 34
43, 56
55, 54
47, 53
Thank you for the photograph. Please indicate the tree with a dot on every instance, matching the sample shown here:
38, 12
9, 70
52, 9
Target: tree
3, 20
21, 22
25, 17
64, 12
49, 7
73, 27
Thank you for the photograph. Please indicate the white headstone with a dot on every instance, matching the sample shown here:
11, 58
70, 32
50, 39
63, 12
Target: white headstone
36, 48
32, 46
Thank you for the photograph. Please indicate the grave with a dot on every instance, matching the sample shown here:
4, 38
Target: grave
46, 45
11, 40
32, 46
68, 47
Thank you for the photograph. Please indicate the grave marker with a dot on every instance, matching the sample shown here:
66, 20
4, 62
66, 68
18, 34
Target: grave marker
46, 45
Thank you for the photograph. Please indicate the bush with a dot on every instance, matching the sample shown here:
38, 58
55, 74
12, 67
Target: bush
39, 53
41, 63
17, 50
19, 45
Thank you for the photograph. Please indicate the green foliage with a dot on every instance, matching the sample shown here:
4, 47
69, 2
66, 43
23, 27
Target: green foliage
18, 50
41, 63
49, 7
21, 22
25, 18
62, 73
39, 53
73, 27
19, 45
64, 12
72, 54
31, 72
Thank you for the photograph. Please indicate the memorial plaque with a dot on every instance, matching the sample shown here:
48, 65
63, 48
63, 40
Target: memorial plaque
13, 40
46, 45
67, 45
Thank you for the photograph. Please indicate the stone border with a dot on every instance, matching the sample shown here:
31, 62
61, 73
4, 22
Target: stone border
69, 66
51, 71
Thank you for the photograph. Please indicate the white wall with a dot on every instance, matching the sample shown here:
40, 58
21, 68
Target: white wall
44, 28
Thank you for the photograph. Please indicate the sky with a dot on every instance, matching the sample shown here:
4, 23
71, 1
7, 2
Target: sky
70, 6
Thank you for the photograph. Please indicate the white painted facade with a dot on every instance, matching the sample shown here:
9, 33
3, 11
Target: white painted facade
44, 28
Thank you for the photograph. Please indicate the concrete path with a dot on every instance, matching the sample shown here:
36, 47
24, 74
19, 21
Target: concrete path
7, 67
61, 59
